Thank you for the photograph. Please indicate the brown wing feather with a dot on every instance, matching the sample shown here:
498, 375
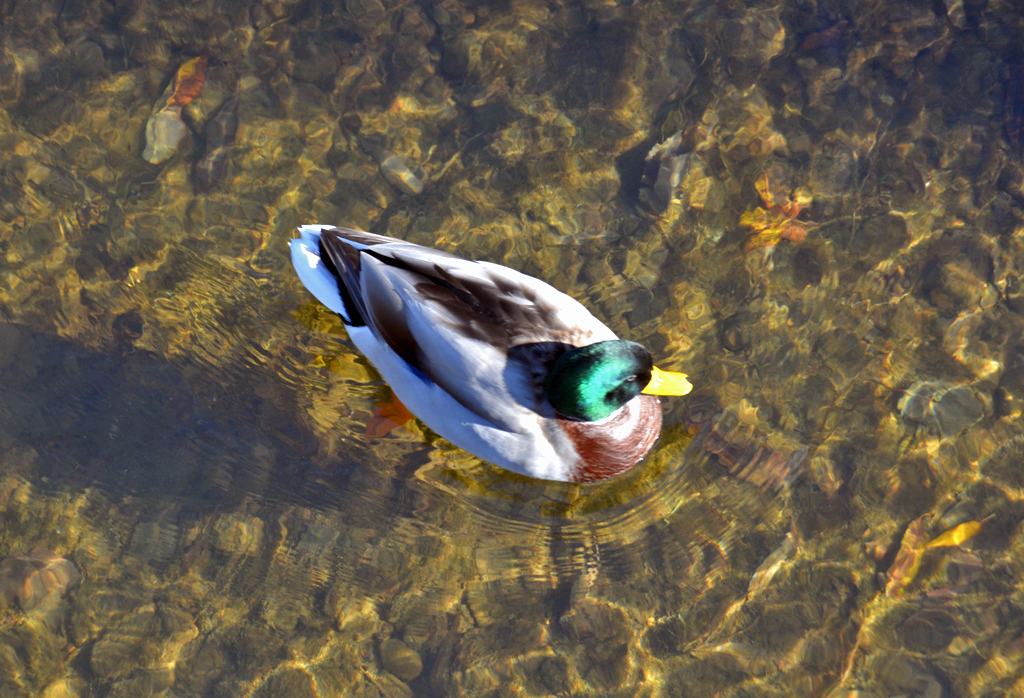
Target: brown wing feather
491, 308
523, 315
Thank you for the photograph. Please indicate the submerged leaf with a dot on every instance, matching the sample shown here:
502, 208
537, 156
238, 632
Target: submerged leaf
769, 229
912, 549
775, 222
956, 535
825, 38
908, 559
189, 81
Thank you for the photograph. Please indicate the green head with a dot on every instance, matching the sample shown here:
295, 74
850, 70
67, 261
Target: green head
591, 382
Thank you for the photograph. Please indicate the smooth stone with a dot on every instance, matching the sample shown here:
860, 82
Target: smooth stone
65, 688
941, 406
398, 174
120, 650
33, 578
958, 409
400, 659
164, 131
929, 630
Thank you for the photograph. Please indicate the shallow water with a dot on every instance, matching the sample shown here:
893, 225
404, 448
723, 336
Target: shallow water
194, 497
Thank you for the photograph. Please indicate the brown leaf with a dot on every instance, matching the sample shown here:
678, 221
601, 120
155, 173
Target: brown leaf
188, 81
777, 221
828, 37
908, 559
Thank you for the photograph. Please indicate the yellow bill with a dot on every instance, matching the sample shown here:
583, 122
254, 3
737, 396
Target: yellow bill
667, 383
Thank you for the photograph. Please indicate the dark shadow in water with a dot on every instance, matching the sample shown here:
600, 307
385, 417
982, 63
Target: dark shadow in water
135, 425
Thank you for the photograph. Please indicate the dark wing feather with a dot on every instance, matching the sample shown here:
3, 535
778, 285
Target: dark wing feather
342, 261
521, 314
359, 237
385, 311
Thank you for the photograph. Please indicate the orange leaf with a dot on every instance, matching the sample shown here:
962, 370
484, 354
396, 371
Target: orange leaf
768, 230
188, 81
774, 222
790, 210
794, 231
908, 559
757, 219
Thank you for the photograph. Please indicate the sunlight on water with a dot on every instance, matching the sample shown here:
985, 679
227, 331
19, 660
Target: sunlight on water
816, 212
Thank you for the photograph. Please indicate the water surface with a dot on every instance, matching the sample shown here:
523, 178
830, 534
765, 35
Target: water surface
197, 495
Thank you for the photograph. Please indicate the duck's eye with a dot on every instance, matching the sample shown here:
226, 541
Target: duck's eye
631, 379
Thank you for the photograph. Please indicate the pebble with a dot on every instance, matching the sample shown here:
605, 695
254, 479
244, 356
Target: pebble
398, 175
946, 408
164, 131
33, 578
400, 659
220, 135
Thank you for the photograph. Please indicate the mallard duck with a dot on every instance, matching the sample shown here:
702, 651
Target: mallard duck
499, 363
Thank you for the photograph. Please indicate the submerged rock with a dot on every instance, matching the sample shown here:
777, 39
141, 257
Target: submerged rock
164, 131
398, 175
665, 166
10, 76
400, 659
66, 688
1014, 106
392, 167
32, 579
220, 135
942, 407
604, 632
117, 654
669, 164
129, 646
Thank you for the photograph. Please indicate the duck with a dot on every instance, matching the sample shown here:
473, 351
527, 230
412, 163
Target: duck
499, 363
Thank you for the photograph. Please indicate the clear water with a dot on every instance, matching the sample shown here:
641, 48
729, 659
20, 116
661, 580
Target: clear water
195, 494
